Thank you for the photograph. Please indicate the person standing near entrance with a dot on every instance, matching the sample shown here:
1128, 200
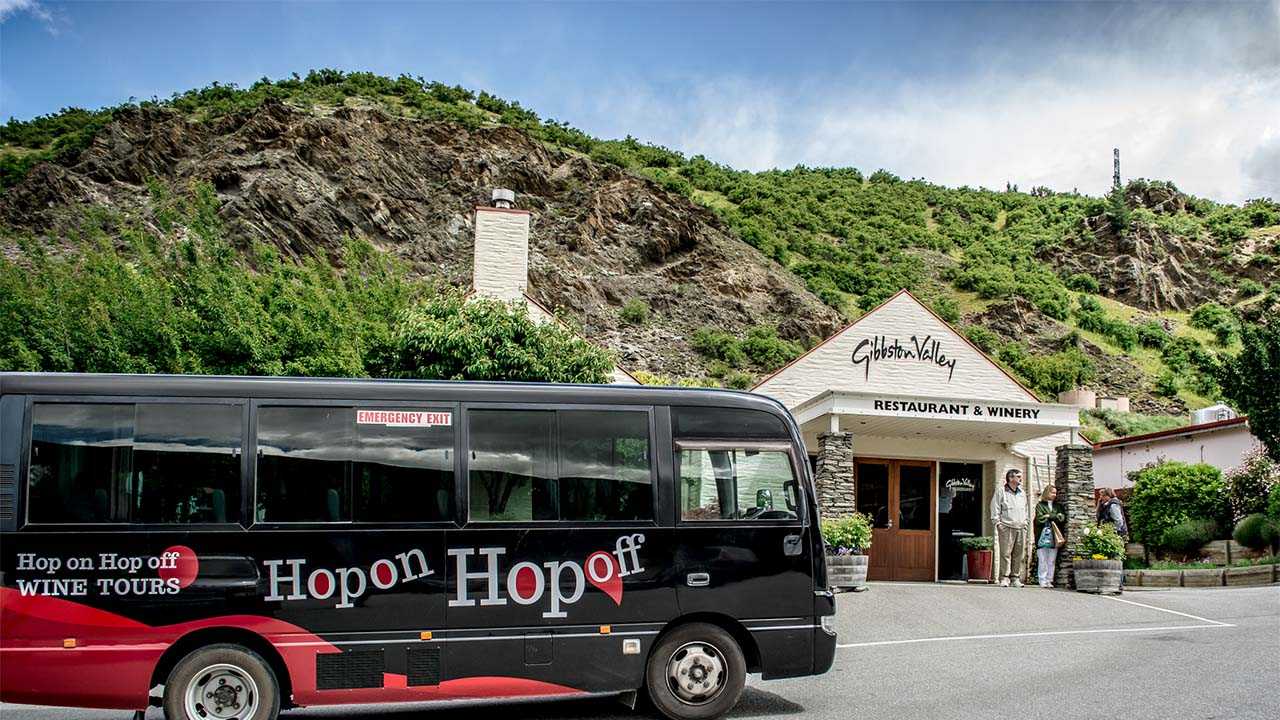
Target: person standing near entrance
1009, 517
1111, 513
1050, 518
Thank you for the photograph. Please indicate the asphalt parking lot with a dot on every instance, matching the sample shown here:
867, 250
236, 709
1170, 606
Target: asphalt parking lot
956, 651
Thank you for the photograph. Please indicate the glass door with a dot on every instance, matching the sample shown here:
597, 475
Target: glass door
898, 497
913, 502
873, 499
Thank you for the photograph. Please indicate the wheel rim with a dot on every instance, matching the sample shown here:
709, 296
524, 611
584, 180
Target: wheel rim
221, 692
696, 673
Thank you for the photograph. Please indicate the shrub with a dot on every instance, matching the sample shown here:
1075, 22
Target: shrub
1262, 212
1250, 287
980, 542
1170, 493
1049, 374
1080, 282
718, 345
1101, 543
634, 312
739, 380
1152, 334
1250, 484
851, 534
1185, 538
186, 301
987, 340
764, 348
1273, 503
1124, 424
761, 346
947, 309
1216, 319
1256, 531
1166, 384
1091, 316
449, 337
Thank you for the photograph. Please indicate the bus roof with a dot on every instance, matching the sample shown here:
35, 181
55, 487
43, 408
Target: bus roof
365, 389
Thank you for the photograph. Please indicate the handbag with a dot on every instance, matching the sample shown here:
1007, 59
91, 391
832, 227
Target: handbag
1058, 538
1046, 538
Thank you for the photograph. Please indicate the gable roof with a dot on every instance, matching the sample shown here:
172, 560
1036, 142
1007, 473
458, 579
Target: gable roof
870, 313
1173, 432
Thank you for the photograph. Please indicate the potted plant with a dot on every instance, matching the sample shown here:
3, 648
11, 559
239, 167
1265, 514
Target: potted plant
847, 541
1099, 566
978, 551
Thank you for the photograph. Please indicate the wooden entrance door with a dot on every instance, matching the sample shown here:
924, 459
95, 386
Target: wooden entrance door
899, 495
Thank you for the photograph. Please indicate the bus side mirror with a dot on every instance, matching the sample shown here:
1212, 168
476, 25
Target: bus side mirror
790, 490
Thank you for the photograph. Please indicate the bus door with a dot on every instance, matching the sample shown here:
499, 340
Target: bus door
562, 558
743, 543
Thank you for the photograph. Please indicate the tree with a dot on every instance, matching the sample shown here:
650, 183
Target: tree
1249, 380
1170, 494
449, 337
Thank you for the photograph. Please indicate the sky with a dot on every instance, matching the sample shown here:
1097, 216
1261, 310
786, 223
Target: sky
955, 93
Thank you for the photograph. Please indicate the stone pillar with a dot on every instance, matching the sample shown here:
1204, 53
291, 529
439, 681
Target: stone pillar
1074, 480
834, 475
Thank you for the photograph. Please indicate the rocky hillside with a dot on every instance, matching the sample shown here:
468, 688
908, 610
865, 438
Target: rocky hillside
684, 267
303, 180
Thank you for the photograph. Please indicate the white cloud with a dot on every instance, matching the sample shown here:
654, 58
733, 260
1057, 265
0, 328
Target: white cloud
1187, 95
13, 7
53, 22
1200, 130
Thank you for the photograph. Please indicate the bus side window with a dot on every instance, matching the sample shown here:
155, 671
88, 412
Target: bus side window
736, 484
186, 463
81, 459
404, 474
566, 465
303, 464
322, 464
157, 463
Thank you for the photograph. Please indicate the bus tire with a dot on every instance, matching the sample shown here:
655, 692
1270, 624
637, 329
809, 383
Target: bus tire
222, 682
695, 672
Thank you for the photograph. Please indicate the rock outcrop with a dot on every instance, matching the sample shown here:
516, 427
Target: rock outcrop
302, 180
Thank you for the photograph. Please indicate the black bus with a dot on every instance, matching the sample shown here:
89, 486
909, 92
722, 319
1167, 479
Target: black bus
228, 547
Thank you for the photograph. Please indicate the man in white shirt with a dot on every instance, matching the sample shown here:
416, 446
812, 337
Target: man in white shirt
1009, 518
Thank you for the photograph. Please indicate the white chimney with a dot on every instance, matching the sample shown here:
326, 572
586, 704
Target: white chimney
501, 266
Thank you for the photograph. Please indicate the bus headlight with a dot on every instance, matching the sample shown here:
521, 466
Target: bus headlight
828, 623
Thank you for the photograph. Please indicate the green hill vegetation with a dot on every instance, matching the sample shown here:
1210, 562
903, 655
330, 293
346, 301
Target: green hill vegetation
854, 238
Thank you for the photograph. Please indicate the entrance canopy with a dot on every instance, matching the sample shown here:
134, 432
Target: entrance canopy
1000, 421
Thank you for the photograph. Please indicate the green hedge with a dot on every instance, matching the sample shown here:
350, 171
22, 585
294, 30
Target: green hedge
1171, 493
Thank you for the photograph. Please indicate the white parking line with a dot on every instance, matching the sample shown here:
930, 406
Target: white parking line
1000, 636
1167, 610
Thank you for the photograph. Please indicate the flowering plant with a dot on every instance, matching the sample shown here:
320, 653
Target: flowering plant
1101, 543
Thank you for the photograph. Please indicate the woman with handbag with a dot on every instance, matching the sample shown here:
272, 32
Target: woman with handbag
1050, 517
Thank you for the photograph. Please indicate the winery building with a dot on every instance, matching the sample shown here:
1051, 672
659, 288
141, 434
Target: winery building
907, 421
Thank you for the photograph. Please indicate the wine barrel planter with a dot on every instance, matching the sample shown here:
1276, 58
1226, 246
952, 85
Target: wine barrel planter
847, 571
1103, 577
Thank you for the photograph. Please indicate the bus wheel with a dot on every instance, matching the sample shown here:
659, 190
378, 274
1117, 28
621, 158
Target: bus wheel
221, 682
696, 672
